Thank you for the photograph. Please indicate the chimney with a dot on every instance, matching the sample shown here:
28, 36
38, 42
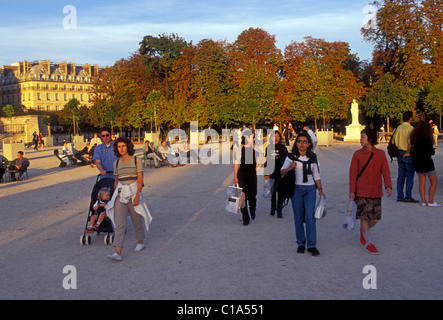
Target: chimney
64, 67
95, 68
45, 64
87, 69
72, 69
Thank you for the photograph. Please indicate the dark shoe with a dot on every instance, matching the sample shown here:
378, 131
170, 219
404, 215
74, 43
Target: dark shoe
400, 200
412, 200
279, 215
314, 251
272, 213
252, 215
245, 223
301, 249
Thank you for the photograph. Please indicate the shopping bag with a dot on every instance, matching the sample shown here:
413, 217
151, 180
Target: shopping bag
320, 210
351, 209
235, 199
268, 188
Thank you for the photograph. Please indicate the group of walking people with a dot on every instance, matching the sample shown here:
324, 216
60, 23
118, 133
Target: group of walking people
368, 172
122, 173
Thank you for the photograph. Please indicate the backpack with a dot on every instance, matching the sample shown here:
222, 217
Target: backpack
392, 148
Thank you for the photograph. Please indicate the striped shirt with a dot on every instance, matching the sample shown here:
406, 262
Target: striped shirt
127, 171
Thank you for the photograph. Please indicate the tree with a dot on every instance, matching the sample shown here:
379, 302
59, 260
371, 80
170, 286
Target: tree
155, 104
434, 99
315, 72
389, 99
117, 89
9, 112
71, 114
408, 40
159, 54
255, 64
137, 116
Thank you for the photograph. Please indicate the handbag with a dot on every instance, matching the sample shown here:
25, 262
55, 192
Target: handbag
235, 199
320, 210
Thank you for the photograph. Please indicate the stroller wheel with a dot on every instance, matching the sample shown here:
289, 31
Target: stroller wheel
109, 239
85, 240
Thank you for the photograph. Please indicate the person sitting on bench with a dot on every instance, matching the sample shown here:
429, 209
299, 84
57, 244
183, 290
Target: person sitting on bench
20, 165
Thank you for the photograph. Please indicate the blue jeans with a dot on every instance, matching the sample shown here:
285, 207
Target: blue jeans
405, 173
303, 207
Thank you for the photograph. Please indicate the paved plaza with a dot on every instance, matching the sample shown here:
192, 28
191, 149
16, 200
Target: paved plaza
196, 250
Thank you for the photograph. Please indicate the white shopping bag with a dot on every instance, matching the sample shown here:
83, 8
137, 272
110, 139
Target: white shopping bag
268, 188
320, 210
235, 199
351, 210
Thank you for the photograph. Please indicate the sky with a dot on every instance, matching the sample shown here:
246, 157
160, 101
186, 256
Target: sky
102, 32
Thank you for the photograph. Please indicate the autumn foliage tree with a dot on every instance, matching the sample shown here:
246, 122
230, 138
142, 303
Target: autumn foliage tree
316, 70
408, 44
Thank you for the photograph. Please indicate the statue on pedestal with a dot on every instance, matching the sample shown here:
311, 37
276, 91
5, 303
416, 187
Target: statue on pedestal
354, 129
354, 113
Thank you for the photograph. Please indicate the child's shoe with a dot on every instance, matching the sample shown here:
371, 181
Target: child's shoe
89, 230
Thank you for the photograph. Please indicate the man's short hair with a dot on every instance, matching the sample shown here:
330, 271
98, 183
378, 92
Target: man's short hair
105, 129
407, 115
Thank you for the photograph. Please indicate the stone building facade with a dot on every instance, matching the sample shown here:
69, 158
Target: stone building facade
44, 85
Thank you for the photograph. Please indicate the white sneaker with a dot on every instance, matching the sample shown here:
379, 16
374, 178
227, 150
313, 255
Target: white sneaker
424, 204
434, 204
139, 247
115, 256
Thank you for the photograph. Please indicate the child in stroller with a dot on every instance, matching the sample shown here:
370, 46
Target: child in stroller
104, 195
98, 213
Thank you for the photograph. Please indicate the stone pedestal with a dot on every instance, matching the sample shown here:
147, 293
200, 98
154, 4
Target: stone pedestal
353, 133
325, 138
10, 149
153, 137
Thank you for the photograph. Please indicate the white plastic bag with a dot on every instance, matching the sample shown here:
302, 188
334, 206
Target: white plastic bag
268, 188
320, 210
235, 199
351, 209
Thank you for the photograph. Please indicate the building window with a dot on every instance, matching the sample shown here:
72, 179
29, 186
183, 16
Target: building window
48, 96
66, 97
56, 96
38, 96
38, 86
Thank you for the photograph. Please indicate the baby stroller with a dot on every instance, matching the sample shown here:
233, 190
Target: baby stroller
106, 225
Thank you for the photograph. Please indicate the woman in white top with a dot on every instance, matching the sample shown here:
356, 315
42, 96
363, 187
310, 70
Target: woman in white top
307, 180
127, 197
